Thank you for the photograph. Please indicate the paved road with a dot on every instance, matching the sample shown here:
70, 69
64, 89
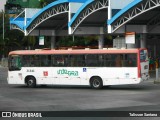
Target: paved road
142, 97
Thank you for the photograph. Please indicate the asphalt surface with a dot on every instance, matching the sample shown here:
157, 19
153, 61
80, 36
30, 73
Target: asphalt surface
141, 97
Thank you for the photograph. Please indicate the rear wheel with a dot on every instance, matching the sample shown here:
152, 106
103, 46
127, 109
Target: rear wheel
96, 83
31, 82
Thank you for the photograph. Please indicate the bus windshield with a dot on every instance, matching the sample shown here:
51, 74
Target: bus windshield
14, 62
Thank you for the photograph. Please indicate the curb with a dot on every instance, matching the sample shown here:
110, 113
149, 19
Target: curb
156, 82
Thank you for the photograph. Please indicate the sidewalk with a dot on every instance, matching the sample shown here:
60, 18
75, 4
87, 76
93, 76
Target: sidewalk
152, 74
3, 66
4, 62
153, 77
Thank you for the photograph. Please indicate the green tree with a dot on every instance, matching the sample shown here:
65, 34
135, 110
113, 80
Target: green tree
42, 3
69, 41
45, 2
11, 37
29, 41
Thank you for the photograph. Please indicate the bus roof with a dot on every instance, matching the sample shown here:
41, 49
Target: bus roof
80, 51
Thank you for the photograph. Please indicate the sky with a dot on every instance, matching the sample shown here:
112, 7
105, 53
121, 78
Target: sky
2, 2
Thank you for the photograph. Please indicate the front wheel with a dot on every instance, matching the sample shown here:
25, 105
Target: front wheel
96, 83
31, 82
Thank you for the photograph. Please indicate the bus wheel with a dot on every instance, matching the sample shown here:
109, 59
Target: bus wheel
96, 82
31, 82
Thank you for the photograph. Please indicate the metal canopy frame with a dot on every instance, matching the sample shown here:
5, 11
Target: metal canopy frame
14, 26
53, 11
141, 8
18, 26
94, 6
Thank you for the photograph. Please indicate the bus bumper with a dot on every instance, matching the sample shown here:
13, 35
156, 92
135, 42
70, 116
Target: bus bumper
145, 77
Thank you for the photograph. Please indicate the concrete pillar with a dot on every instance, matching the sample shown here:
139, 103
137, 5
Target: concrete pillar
143, 40
101, 42
53, 39
137, 43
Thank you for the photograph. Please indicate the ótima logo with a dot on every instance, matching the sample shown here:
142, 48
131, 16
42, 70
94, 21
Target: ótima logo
6, 114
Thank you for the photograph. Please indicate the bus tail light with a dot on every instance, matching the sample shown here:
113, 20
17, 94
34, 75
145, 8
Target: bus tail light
139, 73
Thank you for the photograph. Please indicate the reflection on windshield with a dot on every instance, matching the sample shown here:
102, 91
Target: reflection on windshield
14, 63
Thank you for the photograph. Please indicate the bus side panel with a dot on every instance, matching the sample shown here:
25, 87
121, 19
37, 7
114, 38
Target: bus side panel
28, 71
57, 75
115, 76
70, 75
122, 75
130, 76
110, 76
75, 75
44, 75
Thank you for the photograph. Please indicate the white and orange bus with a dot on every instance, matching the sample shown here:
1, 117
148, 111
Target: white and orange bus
94, 67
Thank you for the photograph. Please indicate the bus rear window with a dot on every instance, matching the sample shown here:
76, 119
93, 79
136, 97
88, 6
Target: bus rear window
143, 55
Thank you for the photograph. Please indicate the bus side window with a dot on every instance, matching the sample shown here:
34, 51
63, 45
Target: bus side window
53, 61
71, 61
130, 60
107, 60
26, 60
101, 60
36, 61
75, 61
92, 60
60, 60
118, 61
112, 60
33, 61
45, 60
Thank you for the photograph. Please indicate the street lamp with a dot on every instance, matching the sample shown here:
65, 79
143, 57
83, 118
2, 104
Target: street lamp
3, 34
3, 25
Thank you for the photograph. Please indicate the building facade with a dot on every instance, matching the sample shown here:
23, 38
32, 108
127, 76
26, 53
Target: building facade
16, 6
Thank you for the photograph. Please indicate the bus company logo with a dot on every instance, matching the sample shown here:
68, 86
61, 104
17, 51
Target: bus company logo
6, 114
66, 72
45, 73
